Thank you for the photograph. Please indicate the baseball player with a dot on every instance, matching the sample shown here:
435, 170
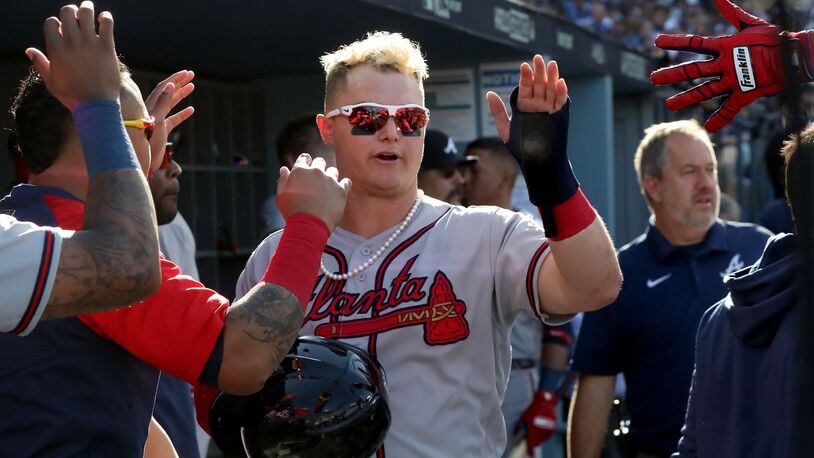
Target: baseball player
429, 289
86, 385
46, 272
300, 135
441, 173
539, 353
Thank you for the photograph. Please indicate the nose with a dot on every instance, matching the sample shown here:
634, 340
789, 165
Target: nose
390, 131
707, 180
174, 169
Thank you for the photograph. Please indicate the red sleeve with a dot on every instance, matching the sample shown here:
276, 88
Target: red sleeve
204, 395
174, 330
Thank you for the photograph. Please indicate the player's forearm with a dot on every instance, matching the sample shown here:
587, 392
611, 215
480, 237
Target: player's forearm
588, 417
589, 269
590, 273
262, 325
113, 262
259, 331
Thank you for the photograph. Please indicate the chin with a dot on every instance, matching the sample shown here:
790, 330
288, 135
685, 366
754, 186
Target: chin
165, 216
702, 221
387, 185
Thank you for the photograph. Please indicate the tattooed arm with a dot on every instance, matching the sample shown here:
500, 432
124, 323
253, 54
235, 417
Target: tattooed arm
259, 330
114, 261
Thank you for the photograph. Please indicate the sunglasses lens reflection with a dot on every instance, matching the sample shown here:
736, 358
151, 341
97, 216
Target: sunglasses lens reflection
411, 120
368, 119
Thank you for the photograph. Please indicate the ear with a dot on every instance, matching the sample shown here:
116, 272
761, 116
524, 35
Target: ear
326, 129
652, 188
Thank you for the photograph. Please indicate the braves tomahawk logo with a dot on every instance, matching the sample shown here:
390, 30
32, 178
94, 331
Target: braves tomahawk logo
735, 264
443, 317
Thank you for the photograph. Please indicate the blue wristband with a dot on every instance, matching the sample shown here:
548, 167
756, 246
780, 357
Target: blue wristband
104, 141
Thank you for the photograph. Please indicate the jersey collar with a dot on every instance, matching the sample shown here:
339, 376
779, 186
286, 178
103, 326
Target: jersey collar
715, 240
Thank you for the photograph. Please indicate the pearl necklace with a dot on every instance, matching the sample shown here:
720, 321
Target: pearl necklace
380, 251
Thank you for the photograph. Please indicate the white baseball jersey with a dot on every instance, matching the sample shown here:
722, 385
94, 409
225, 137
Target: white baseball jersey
435, 310
176, 241
527, 332
29, 257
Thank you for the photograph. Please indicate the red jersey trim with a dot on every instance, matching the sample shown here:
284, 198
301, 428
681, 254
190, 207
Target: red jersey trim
39, 286
556, 335
371, 346
531, 278
336, 285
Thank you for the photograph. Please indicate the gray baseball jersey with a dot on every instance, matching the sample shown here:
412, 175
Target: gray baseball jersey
28, 266
435, 310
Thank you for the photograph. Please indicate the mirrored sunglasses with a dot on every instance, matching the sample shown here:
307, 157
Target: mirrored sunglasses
368, 117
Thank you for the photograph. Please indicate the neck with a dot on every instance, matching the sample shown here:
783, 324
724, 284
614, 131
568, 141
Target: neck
679, 235
368, 215
69, 179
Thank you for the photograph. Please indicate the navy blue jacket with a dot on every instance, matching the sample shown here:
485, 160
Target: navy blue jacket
648, 333
745, 398
175, 411
85, 386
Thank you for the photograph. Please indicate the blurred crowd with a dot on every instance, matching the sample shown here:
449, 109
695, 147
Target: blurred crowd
636, 23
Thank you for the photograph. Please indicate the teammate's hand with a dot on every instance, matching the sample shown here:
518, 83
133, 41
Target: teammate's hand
311, 188
81, 65
747, 65
540, 420
166, 95
541, 90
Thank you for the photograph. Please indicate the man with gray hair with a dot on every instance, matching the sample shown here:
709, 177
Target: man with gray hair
673, 273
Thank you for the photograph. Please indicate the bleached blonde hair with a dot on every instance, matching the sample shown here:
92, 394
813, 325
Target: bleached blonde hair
385, 51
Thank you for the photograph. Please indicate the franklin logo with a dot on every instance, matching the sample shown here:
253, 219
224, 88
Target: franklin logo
743, 68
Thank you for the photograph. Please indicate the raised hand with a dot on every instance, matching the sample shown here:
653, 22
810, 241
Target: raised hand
81, 65
746, 66
166, 95
311, 188
541, 90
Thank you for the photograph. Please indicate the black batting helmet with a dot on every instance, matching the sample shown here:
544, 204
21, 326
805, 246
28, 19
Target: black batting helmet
327, 399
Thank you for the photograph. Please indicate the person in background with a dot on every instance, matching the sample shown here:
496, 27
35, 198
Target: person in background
300, 135
672, 273
441, 175
174, 408
747, 395
539, 353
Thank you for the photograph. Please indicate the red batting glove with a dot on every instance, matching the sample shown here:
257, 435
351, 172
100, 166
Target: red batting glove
540, 420
747, 65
